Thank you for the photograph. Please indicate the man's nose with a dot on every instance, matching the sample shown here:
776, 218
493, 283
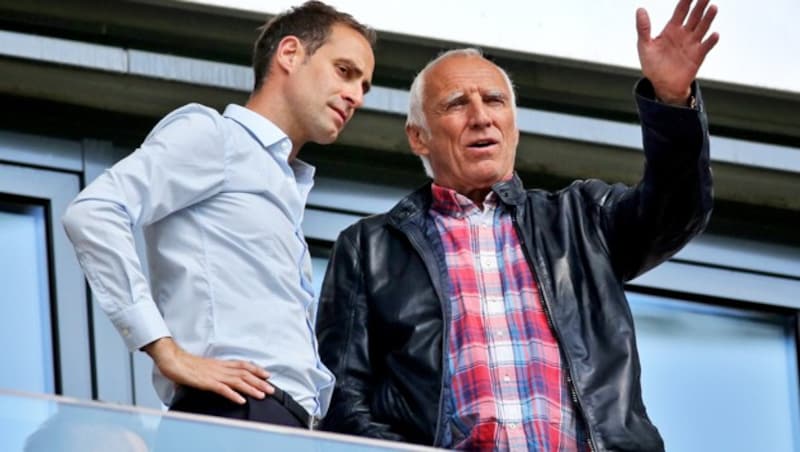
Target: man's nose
479, 115
353, 94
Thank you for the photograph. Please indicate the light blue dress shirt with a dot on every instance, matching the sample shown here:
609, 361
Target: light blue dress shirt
230, 271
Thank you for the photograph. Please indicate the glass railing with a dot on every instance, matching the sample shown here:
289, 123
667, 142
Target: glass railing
38, 423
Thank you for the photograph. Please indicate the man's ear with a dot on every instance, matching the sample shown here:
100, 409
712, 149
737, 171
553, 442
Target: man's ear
289, 54
417, 140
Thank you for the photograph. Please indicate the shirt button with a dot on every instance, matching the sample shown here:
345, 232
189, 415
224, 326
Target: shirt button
499, 334
126, 332
513, 425
506, 378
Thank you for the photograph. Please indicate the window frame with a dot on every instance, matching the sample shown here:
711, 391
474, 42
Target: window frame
71, 333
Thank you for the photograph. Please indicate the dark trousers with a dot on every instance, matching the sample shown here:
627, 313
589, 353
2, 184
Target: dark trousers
268, 409
180, 435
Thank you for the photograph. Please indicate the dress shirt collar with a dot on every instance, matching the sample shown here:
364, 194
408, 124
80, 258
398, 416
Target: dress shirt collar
273, 139
304, 175
260, 127
449, 202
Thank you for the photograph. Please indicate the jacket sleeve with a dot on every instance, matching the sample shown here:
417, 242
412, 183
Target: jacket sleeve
343, 335
648, 223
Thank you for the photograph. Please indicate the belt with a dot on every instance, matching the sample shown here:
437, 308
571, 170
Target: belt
295, 408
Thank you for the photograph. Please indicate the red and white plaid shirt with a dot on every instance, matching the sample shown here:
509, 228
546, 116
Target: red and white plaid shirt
508, 385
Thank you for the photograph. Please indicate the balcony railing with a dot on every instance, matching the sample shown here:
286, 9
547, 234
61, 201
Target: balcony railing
34, 423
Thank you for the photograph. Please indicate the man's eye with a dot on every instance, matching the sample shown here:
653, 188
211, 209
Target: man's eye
455, 104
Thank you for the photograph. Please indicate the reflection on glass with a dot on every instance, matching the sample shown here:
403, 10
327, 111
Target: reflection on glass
717, 378
72, 430
25, 329
34, 424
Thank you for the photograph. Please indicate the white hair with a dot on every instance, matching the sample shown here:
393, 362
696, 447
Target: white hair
416, 116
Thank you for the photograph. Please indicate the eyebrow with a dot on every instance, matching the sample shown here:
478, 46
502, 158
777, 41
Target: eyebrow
458, 95
452, 97
496, 93
365, 85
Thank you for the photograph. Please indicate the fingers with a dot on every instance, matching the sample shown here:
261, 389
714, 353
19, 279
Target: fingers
705, 22
642, 25
259, 387
709, 44
226, 391
236, 378
247, 378
696, 14
258, 371
247, 384
681, 9
230, 379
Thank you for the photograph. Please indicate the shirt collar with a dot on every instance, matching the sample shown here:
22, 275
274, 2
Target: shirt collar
271, 138
262, 129
304, 175
449, 202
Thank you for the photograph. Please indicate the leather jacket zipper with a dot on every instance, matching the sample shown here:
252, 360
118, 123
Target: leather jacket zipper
548, 315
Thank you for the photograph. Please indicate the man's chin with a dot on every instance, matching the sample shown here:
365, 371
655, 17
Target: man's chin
327, 138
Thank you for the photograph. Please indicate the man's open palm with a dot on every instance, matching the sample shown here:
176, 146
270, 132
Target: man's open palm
671, 60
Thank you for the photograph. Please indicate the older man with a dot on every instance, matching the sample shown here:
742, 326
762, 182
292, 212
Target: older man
476, 314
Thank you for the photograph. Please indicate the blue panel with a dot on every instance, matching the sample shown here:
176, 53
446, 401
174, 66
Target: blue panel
26, 343
718, 378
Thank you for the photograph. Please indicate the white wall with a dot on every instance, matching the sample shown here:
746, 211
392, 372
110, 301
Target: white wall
759, 45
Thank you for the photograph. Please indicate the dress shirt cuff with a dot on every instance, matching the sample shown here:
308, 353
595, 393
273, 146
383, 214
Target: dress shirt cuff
140, 324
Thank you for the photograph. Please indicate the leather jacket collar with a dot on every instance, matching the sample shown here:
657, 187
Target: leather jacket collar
510, 192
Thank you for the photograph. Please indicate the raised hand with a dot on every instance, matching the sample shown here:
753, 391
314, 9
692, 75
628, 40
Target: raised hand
671, 60
229, 379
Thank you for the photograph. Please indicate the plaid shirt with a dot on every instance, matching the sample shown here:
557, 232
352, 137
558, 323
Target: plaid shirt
508, 385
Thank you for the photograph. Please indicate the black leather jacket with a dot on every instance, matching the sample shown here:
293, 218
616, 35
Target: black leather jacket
381, 323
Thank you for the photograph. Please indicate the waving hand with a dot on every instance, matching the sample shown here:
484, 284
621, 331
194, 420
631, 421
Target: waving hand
671, 60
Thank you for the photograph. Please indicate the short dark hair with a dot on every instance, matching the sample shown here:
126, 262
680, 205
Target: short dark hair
311, 23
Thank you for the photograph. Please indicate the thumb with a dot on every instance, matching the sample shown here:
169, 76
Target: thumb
643, 25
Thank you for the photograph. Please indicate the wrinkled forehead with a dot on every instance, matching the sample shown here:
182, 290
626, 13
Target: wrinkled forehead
460, 74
